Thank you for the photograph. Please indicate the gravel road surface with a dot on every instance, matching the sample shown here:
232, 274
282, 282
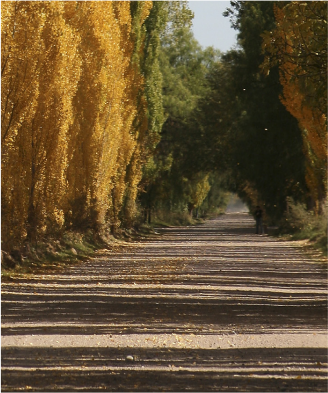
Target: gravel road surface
207, 308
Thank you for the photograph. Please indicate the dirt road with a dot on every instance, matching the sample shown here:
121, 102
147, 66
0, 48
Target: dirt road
207, 308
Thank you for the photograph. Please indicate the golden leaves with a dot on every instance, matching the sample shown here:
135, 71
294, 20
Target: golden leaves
298, 45
69, 103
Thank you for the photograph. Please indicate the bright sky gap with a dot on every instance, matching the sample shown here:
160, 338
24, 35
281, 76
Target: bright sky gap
210, 27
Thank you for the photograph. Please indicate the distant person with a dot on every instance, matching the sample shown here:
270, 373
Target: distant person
259, 222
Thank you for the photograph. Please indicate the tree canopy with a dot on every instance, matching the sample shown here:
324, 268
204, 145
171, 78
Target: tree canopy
112, 110
298, 46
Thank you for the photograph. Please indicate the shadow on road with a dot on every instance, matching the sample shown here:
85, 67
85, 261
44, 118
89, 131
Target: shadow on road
212, 279
99, 369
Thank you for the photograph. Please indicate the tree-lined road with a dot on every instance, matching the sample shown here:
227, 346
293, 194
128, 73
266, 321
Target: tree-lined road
206, 308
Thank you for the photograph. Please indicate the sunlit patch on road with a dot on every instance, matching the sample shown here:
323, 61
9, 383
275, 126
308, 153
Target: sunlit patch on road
212, 307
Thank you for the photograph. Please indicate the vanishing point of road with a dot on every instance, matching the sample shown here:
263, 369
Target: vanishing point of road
212, 307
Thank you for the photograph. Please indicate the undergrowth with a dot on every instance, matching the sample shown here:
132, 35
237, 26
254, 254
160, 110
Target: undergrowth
52, 254
302, 224
49, 254
164, 218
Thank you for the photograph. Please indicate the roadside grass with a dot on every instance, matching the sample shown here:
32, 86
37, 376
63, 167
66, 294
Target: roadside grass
321, 244
49, 255
164, 218
54, 254
301, 224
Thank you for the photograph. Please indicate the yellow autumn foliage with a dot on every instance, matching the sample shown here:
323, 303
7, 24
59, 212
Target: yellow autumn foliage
73, 116
313, 125
298, 45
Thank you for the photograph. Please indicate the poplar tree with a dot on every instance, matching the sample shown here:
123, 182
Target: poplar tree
184, 65
39, 76
266, 158
298, 45
81, 113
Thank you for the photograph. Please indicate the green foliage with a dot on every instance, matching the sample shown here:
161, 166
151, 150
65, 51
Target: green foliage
217, 198
298, 45
184, 65
173, 184
179, 16
154, 25
165, 218
304, 224
252, 135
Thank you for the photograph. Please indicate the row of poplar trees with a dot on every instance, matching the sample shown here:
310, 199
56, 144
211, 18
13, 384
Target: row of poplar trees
81, 112
264, 121
109, 106
298, 47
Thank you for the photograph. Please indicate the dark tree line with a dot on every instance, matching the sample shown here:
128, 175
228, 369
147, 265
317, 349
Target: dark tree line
226, 120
